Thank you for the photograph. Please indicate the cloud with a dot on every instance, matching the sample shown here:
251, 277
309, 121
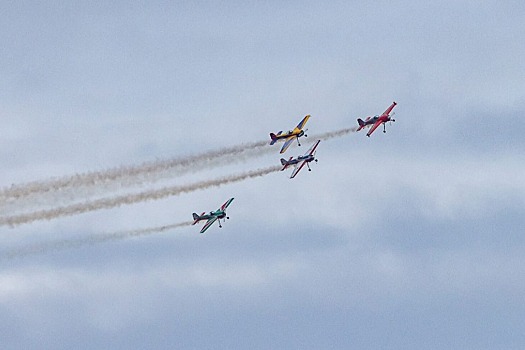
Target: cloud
403, 240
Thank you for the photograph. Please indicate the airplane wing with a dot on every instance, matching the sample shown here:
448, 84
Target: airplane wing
389, 109
374, 127
225, 205
297, 169
208, 224
312, 149
301, 125
287, 143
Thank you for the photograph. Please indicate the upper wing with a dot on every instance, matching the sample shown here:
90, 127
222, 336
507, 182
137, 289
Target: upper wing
287, 143
301, 125
389, 109
312, 149
297, 169
225, 205
208, 223
374, 127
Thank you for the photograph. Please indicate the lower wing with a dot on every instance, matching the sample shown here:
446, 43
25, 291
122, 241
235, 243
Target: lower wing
374, 127
208, 224
287, 143
297, 169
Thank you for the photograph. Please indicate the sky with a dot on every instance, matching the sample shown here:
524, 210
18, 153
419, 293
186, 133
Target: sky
405, 240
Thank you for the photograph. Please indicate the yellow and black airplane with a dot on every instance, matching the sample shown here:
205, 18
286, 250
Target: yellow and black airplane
290, 135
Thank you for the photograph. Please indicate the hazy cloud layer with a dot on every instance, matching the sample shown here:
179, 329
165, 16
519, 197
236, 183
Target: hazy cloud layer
409, 239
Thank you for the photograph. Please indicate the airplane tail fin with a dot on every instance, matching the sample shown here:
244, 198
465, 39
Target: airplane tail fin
361, 123
285, 163
274, 137
196, 218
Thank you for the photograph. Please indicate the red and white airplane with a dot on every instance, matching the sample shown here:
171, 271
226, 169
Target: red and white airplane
377, 120
300, 161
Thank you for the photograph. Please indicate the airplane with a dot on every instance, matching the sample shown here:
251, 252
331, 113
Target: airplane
300, 161
290, 135
377, 120
212, 216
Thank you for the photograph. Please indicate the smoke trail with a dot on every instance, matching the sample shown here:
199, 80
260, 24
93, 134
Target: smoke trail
53, 246
161, 171
115, 174
139, 173
107, 203
83, 186
333, 134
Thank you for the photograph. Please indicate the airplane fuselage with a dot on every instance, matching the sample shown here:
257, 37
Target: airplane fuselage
286, 135
308, 158
375, 119
218, 213
372, 120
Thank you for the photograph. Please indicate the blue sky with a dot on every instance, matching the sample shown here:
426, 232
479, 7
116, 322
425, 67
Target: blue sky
410, 239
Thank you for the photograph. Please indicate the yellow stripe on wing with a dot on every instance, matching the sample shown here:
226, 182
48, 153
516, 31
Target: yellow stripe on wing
301, 125
287, 143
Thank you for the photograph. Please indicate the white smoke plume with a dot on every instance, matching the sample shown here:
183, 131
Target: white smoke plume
58, 245
70, 189
138, 172
142, 171
112, 202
